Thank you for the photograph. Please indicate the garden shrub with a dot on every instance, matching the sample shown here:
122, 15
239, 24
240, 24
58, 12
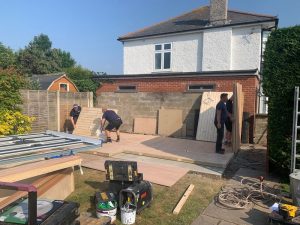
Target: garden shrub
280, 76
14, 122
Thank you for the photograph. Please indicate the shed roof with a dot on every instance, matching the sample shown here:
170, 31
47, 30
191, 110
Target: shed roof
45, 80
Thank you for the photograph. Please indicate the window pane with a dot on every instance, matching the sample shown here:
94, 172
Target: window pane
63, 87
127, 87
200, 87
167, 46
157, 47
167, 60
157, 61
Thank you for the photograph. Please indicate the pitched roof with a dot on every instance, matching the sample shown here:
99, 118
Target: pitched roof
45, 80
197, 19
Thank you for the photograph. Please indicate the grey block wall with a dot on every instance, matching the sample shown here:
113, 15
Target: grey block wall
147, 104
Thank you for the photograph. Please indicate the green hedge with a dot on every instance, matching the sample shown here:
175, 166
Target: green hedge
280, 76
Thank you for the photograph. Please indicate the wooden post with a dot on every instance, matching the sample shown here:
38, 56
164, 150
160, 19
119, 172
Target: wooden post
58, 110
28, 97
91, 99
238, 106
48, 122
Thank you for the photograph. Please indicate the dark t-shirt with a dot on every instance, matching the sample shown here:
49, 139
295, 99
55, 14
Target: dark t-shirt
229, 106
110, 116
221, 106
75, 114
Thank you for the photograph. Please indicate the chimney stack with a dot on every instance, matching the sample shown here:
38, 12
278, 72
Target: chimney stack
218, 12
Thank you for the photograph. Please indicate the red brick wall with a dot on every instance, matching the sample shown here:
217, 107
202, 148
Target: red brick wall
222, 84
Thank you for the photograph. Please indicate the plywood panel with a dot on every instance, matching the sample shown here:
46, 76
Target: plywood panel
155, 173
206, 130
89, 121
145, 125
238, 108
170, 122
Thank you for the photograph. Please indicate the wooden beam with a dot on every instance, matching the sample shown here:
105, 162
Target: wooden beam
20, 194
39, 168
183, 199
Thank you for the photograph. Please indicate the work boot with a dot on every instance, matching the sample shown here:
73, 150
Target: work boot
108, 140
118, 138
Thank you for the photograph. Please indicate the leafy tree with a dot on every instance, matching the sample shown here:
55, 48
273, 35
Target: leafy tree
12, 121
62, 58
280, 76
42, 43
7, 57
82, 78
39, 57
10, 83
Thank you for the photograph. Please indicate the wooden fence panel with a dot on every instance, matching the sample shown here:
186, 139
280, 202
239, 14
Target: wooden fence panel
51, 109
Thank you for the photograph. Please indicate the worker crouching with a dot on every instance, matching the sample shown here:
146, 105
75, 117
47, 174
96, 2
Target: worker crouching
114, 123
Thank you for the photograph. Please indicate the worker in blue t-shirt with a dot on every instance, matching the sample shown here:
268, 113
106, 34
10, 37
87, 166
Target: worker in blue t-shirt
220, 119
114, 123
74, 114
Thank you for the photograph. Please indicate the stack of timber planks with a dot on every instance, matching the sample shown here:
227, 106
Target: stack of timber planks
54, 179
88, 121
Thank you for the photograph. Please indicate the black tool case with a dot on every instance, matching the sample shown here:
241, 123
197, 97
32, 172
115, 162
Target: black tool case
65, 215
139, 194
122, 171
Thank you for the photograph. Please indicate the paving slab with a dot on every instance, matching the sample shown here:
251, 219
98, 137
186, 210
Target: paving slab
256, 215
207, 220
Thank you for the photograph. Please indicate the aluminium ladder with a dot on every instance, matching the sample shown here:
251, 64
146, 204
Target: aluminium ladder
296, 127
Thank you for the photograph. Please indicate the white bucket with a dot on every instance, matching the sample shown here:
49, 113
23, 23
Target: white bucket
111, 213
128, 216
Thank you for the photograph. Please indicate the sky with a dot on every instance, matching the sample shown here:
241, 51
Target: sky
89, 29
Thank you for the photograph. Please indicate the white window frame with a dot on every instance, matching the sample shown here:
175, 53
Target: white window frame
162, 51
68, 86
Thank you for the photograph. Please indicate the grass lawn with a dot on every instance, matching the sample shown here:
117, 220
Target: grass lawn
165, 199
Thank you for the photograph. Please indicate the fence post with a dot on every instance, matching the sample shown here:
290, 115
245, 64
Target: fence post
58, 110
90, 99
28, 97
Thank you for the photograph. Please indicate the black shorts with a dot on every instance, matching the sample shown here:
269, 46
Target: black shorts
228, 125
114, 125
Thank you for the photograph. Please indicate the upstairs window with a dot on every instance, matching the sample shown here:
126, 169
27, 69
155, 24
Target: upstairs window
163, 56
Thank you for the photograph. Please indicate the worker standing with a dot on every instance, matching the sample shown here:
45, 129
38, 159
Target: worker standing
220, 118
74, 114
114, 123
